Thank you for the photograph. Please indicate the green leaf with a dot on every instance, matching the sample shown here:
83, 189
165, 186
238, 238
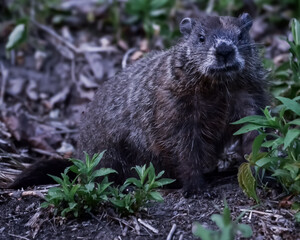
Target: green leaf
247, 128
297, 98
227, 233
296, 31
246, 230
268, 116
297, 217
252, 160
201, 232
90, 186
256, 119
263, 162
103, 172
74, 190
151, 173
157, 13
257, 145
282, 173
103, 187
17, 36
218, 219
291, 135
226, 214
282, 111
156, 196
72, 205
140, 171
134, 181
56, 179
156, 4
77, 165
290, 104
159, 174
268, 144
45, 204
118, 203
247, 181
293, 168
295, 122
97, 158
277, 142
56, 193
164, 181
87, 160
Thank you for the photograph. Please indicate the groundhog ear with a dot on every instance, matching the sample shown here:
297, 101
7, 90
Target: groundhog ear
246, 21
186, 26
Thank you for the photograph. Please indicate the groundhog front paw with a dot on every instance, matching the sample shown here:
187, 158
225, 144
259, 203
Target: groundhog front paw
194, 187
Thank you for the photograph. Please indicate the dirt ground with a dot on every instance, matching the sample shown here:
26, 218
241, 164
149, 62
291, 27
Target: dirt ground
45, 84
22, 217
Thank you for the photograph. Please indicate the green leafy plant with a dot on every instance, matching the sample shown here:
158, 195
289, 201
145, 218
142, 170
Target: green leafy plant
144, 190
152, 14
18, 35
24, 8
278, 131
228, 229
82, 194
282, 142
287, 76
21, 11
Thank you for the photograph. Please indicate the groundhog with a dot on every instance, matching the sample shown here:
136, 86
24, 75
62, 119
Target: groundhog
174, 108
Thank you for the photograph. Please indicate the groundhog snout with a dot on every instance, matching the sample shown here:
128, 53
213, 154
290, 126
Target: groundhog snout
225, 52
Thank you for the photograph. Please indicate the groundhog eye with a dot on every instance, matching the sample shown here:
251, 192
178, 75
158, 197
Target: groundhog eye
201, 38
240, 36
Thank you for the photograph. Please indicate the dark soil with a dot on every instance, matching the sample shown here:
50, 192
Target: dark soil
22, 217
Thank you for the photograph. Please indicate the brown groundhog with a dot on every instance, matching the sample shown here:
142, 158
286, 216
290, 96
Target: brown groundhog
174, 108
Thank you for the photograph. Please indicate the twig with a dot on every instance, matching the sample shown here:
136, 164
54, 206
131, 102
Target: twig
262, 213
178, 215
170, 235
272, 227
73, 74
93, 49
34, 219
125, 57
122, 221
47, 153
55, 35
147, 226
124, 231
71, 46
30, 193
13, 235
181, 237
136, 226
4, 73
93, 216
210, 6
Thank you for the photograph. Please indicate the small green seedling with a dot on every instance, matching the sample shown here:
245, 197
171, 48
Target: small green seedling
279, 130
282, 142
228, 229
144, 190
81, 195
85, 193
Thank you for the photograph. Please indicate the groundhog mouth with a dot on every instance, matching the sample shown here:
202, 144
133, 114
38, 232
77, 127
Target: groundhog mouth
226, 68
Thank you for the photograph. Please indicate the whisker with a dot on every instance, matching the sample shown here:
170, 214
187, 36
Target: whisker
246, 24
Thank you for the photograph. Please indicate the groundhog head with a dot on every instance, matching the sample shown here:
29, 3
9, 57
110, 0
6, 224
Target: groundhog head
218, 46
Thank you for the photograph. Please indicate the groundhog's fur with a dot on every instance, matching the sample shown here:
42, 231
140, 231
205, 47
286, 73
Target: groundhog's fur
174, 108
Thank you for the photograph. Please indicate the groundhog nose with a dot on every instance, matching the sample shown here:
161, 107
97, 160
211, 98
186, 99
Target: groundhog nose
225, 50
